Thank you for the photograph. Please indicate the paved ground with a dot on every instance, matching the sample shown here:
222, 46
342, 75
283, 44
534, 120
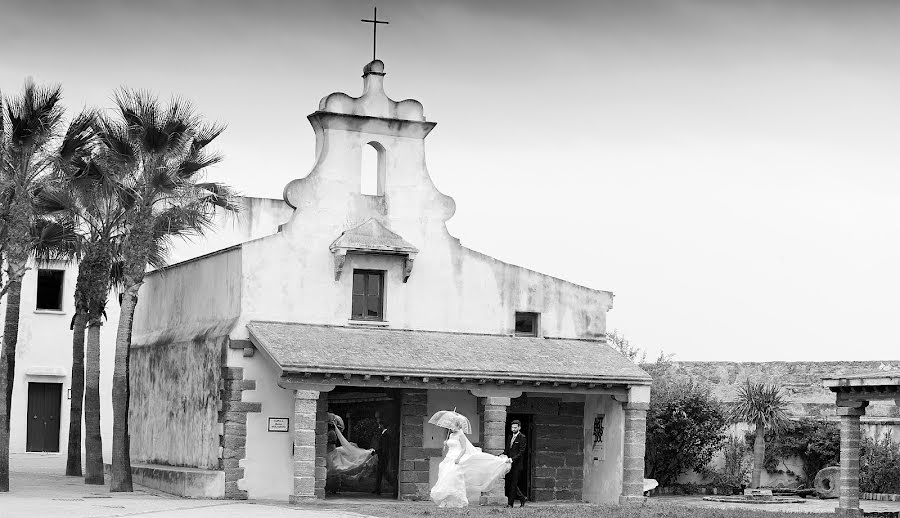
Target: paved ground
39, 490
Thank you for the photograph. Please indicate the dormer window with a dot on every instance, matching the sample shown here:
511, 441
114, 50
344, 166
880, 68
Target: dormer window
368, 295
527, 323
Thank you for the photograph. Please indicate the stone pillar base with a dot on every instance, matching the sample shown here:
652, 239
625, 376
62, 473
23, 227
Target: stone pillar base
848, 513
492, 499
297, 499
632, 500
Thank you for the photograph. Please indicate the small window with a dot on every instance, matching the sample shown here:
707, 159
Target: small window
368, 295
526, 324
49, 289
372, 170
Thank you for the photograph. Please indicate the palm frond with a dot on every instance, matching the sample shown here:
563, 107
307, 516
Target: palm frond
54, 240
761, 405
35, 116
78, 138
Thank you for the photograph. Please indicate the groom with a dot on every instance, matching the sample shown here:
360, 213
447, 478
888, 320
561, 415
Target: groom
515, 449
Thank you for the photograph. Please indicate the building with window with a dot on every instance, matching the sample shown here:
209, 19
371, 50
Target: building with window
364, 305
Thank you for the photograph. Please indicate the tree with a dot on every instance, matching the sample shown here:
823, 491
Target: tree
618, 342
686, 425
159, 154
764, 408
34, 142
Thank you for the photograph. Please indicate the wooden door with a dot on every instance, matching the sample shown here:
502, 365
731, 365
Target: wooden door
44, 400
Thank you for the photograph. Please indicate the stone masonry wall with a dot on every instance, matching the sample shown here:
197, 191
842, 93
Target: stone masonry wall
414, 458
802, 382
558, 455
234, 424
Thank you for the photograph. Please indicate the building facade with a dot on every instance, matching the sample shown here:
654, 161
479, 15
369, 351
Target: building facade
363, 304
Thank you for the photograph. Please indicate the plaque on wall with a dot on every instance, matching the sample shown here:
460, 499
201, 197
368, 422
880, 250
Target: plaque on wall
279, 424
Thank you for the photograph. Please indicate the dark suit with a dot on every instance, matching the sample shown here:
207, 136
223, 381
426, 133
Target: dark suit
515, 452
384, 448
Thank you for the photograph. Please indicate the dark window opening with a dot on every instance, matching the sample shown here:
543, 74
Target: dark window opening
526, 324
368, 295
49, 289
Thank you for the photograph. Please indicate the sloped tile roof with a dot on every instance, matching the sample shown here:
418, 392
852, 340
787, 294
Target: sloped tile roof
372, 235
319, 348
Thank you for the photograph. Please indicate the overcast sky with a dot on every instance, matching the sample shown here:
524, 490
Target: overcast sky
729, 169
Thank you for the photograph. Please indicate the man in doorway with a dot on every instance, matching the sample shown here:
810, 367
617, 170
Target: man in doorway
384, 448
515, 450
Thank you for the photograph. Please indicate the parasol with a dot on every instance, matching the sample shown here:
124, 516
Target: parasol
449, 418
336, 419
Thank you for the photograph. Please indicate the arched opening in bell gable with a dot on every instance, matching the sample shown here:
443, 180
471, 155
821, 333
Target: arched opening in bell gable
372, 169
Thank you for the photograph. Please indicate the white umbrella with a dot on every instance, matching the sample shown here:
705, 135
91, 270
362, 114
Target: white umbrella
449, 419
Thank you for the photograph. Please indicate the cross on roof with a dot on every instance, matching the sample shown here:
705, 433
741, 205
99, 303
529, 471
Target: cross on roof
374, 21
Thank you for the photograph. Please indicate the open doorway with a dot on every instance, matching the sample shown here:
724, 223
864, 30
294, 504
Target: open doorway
371, 418
527, 428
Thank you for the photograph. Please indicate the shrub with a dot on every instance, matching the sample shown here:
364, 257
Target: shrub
879, 466
817, 443
686, 425
736, 471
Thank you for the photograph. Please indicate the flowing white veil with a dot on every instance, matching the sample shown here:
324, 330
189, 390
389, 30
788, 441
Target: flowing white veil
348, 456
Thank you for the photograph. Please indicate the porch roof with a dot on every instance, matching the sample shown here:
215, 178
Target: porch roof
318, 349
866, 386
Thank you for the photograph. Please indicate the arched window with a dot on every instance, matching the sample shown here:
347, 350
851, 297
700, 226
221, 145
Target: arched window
372, 171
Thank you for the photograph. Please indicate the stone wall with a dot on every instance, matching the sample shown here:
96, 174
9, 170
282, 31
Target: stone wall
234, 424
802, 382
174, 407
558, 454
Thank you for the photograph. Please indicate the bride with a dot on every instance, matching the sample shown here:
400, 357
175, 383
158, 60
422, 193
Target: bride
466, 471
347, 457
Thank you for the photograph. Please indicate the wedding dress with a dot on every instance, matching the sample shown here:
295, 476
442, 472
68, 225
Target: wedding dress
347, 457
476, 472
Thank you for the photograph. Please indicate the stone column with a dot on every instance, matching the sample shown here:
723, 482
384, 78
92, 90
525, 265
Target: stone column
306, 404
493, 435
635, 439
321, 443
848, 490
414, 465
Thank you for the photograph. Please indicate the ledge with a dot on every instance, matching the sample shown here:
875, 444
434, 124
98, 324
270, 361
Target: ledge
368, 323
178, 480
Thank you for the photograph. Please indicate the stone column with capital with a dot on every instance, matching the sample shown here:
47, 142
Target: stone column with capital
633, 453
493, 433
306, 408
848, 491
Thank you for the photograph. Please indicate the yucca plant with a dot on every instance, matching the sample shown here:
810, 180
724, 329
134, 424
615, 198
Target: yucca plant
159, 153
764, 408
35, 141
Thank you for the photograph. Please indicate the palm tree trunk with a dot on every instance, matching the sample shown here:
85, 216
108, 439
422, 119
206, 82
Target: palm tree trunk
73, 462
93, 439
4, 432
121, 461
759, 457
11, 337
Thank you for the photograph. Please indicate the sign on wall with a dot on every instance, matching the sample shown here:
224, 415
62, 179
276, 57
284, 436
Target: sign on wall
279, 424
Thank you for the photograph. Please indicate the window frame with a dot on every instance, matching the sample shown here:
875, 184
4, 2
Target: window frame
367, 272
60, 294
535, 323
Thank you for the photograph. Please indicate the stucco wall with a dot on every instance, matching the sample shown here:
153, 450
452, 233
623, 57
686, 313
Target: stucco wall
268, 465
44, 355
603, 463
201, 297
174, 410
291, 276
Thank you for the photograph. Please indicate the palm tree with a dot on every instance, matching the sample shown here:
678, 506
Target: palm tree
96, 200
160, 154
763, 407
34, 142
